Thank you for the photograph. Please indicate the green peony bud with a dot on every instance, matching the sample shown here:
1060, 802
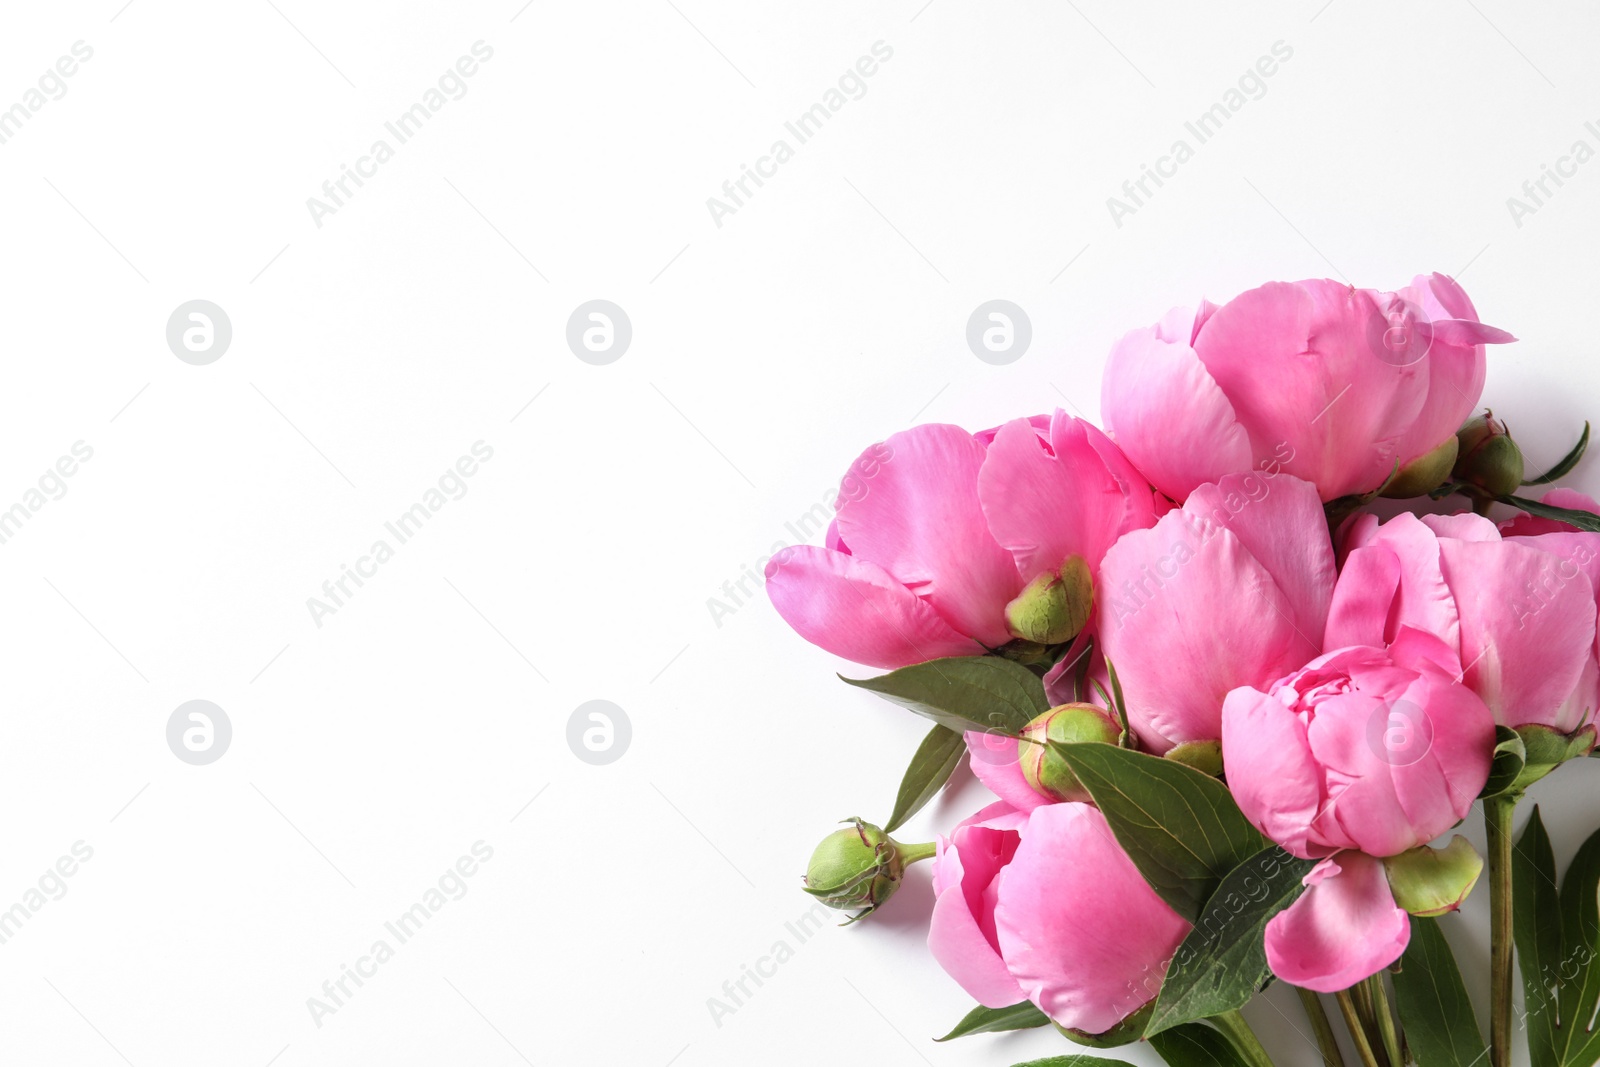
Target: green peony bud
1547, 748
1042, 766
1489, 459
1203, 756
1425, 473
859, 868
1431, 881
1053, 607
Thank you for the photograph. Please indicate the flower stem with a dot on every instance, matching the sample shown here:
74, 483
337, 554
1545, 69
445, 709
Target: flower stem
1497, 812
1243, 1039
1380, 1007
910, 854
1331, 1056
1358, 1032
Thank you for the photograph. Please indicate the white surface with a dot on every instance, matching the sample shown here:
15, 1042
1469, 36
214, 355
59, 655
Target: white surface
828, 312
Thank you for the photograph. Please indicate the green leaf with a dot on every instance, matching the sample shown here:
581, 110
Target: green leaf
1583, 520
1509, 756
1076, 1061
981, 1020
1195, 1045
1434, 1007
1559, 957
1568, 461
1223, 961
984, 693
1180, 826
930, 769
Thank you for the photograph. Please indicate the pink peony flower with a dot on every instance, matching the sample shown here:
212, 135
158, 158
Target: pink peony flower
1231, 590
1045, 906
1363, 754
1338, 384
938, 530
1519, 612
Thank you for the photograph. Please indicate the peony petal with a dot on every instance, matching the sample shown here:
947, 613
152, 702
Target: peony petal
993, 759
1343, 928
961, 933
916, 514
1270, 769
858, 611
1084, 935
1422, 597
1168, 415
1287, 536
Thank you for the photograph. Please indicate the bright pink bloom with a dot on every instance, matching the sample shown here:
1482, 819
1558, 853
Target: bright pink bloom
938, 529
1047, 907
1231, 590
1519, 612
1366, 752
1336, 384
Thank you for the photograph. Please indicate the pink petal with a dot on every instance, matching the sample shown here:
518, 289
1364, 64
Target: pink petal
917, 516
1169, 416
858, 611
993, 759
1298, 363
1422, 599
961, 933
1343, 928
1270, 769
1287, 534
1084, 935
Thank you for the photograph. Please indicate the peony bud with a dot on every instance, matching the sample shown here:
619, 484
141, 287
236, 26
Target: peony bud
1489, 458
1053, 607
1425, 473
1042, 766
1203, 756
1431, 881
859, 868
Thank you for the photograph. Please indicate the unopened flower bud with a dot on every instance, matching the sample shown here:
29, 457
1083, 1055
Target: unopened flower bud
1053, 607
1488, 457
1042, 765
1425, 473
859, 868
1431, 881
1203, 756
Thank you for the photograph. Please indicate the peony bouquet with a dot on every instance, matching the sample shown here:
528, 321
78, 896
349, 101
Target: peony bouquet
1230, 715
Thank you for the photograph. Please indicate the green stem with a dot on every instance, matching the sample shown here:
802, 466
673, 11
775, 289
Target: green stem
1358, 1032
1497, 813
910, 854
1244, 1040
1380, 1007
1331, 1056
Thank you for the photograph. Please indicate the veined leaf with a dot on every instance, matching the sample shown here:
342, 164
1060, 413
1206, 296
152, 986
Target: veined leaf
1435, 1010
1558, 948
1195, 1045
931, 767
1223, 961
984, 693
981, 1020
1180, 826
1583, 520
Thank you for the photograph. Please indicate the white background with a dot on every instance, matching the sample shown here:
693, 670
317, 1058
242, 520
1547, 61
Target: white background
828, 312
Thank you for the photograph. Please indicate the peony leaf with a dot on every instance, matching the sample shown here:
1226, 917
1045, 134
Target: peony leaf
931, 767
1195, 1045
1583, 520
1180, 826
1075, 1061
1435, 1010
1223, 961
985, 693
1559, 958
981, 1020
1567, 462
